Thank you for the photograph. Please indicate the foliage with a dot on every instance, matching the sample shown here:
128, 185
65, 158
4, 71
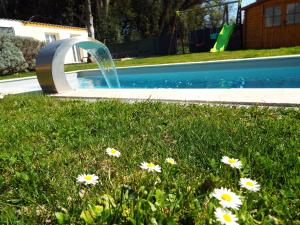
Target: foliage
155, 18
114, 21
208, 15
41, 158
214, 12
18, 54
11, 58
30, 48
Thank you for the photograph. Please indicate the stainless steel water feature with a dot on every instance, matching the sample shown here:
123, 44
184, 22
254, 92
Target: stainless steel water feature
50, 63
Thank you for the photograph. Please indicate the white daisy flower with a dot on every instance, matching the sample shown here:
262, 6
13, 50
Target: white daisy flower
1, 96
227, 198
171, 161
113, 152
234, 163
249, 184
225, 217
150, 167
87, 179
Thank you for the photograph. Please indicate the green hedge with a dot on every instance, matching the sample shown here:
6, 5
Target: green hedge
18, 54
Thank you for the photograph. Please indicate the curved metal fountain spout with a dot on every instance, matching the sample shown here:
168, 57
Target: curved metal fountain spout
50, 63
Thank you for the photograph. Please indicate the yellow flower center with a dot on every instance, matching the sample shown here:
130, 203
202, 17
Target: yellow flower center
249, 183
232, 160
113, 151
171, 161
226, 197
88, 177
150, 165
227, 218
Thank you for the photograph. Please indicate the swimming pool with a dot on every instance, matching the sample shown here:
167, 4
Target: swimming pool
241, 96
275, 72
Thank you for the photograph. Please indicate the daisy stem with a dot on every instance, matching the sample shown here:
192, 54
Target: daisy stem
109, 177
109, 174
241, 174
167, 177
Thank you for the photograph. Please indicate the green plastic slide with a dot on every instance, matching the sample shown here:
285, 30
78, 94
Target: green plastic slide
223, 38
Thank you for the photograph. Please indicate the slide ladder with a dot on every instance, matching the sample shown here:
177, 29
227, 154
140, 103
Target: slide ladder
223, 38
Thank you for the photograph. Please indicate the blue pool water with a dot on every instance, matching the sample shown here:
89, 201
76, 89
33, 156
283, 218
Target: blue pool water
263, 73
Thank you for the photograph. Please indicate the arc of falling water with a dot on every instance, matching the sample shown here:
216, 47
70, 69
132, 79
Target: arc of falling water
50, 63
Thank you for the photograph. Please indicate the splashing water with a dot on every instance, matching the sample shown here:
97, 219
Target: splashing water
104, 60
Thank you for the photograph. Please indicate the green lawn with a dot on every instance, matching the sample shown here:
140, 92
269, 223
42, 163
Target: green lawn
195, 57
46, 143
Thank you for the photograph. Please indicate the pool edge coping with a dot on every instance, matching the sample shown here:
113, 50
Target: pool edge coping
234, 96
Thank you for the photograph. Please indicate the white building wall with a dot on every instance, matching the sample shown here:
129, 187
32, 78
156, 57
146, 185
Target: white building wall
39, 31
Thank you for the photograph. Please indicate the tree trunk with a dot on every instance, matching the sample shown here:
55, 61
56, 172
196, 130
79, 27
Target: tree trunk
89, 19
106, 7
163, 17
173, 34
3, 8
98, 8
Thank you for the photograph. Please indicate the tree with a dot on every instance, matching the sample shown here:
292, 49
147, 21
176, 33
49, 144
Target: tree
108, 20
156, 17
3, 8
89, 19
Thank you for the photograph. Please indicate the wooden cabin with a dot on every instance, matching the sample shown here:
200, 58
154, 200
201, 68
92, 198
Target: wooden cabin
272, 24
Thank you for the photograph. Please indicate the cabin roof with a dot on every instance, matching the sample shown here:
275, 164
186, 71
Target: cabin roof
258, 2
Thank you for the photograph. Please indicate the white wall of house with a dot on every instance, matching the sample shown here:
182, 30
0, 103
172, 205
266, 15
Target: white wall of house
48, 33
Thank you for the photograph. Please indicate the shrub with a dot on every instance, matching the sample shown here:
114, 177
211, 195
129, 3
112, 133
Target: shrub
30, 48
18, 54
11, 57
